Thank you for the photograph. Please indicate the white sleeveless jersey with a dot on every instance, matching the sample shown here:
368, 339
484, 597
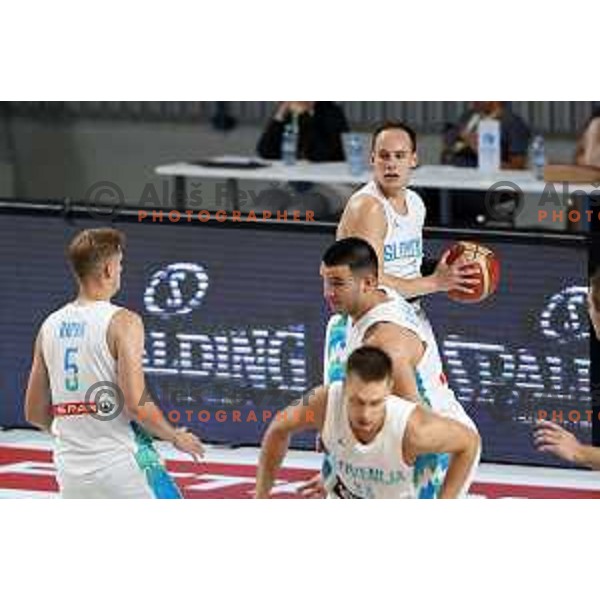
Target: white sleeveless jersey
403, 243
77, 357
431, 380
375, 470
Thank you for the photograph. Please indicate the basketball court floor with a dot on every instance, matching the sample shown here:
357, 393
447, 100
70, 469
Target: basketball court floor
26, 471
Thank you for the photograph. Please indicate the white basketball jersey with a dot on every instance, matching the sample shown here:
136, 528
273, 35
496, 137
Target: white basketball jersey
77, 358
403, 243
431, 381
374, 470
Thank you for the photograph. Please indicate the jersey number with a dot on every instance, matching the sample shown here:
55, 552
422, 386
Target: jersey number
71, 370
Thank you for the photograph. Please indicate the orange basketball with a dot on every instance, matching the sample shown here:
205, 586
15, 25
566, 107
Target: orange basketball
489, 271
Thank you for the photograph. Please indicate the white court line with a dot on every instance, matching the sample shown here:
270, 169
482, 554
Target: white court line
6, 494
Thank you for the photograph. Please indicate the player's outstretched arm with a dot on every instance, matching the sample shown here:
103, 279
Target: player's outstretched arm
364, 218
127, 331
38, 402
428, 433
551, 437
304, 414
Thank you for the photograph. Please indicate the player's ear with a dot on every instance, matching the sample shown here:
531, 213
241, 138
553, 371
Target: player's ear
390, 383
372, 158
108, 269
370, 281
414, 161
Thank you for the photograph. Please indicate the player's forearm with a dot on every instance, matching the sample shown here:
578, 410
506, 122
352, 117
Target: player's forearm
461, 464
273, 450
153, 421
587, 456
412, 288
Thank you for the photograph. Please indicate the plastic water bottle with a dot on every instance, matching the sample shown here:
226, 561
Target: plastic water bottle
488, 154
288, 145
355, 155
538, 156
289, 142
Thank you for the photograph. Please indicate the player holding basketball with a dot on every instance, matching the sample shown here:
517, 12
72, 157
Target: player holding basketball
372, 438
551, 437
391, 217
101, 449
380, 317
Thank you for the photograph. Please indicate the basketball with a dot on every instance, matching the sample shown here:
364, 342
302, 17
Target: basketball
489, 271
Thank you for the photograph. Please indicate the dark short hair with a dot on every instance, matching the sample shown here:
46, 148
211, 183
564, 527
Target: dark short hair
387, 125
90, 248
355, 252
370, 364
595, 289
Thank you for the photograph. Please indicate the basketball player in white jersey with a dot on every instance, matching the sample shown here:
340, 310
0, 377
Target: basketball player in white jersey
391, 218
382, 318
87, 386
371, 437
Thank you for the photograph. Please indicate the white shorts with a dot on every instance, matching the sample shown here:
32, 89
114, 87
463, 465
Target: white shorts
123, 479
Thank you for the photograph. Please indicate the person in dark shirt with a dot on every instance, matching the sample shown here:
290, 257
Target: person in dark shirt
461, 140
320, 127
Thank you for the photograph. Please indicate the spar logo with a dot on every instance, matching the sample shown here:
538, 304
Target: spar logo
176, 289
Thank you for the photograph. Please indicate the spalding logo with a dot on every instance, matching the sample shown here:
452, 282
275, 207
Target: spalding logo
177, 289
564, 318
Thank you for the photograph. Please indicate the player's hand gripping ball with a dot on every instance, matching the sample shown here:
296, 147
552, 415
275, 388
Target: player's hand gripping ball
488, 276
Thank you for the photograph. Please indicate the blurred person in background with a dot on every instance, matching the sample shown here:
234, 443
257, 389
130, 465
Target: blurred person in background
320, 128
461, 139
461, 142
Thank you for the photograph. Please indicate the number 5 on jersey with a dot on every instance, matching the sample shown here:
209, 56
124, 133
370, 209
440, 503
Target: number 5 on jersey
71, 370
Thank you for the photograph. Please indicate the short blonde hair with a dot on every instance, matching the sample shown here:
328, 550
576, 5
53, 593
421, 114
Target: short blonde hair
90, 248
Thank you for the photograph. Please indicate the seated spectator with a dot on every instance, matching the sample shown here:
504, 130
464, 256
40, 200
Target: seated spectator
588, 144
320, 128
461, 140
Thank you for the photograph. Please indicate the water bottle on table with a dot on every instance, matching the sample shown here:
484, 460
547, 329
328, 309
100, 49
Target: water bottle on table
289, 142
488, 155
354, 156
538, 157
